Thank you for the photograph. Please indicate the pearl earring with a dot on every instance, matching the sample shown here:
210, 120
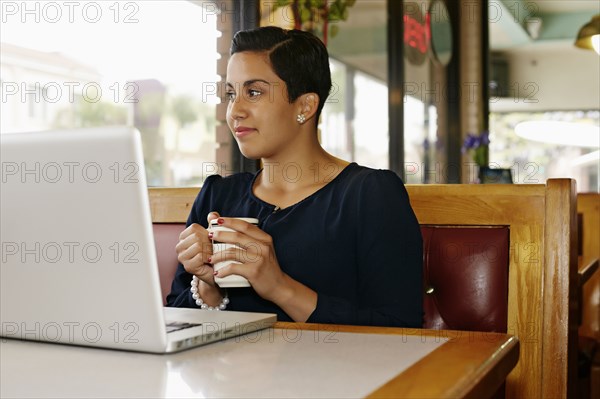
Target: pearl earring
301, 118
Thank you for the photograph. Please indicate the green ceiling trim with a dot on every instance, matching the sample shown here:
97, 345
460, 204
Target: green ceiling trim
519, 10
354, 41
563, 26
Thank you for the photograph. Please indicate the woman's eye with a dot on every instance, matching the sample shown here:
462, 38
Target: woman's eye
230, 95
253, 93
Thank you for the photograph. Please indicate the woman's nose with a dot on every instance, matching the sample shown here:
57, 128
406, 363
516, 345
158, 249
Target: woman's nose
237, 108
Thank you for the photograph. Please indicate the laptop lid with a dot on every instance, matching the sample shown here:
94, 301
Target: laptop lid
77, 251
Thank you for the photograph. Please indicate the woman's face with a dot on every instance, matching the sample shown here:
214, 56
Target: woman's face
259, 114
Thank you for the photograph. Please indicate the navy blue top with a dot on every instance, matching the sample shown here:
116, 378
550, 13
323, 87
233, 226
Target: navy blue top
356, 242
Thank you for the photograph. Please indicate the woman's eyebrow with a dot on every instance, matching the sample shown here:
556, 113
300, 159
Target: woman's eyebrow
250, 82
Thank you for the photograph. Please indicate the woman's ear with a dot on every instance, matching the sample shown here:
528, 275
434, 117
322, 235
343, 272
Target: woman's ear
308, 104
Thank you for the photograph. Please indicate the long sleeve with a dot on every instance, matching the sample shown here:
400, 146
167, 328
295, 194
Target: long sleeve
389, 260
180, 295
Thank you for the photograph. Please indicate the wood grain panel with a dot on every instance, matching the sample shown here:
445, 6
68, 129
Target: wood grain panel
171, 205
522, 209
560, 290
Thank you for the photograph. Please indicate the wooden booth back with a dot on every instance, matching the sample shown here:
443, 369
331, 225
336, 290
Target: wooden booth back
536, 277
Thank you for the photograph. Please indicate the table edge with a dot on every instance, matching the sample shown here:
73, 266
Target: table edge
502, 355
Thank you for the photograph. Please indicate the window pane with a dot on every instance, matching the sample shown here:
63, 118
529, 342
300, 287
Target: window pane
151, 64
354, 122
428, 49
355, 118
371, 121
334, 129
565, 144
415, 127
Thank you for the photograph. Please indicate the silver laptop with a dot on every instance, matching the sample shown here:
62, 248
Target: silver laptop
78, 257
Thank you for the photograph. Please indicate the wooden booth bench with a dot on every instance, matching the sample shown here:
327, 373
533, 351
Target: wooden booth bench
531, 231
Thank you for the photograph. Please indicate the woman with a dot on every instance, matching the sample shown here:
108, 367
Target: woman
337, 242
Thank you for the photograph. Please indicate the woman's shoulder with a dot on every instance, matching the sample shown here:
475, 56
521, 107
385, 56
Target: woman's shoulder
369, 184
233, 180
218, 187
359, 174
218, 190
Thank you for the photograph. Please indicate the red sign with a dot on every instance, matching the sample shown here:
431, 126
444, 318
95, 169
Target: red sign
417, 34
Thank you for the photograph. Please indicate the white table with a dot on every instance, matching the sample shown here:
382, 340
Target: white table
288, 361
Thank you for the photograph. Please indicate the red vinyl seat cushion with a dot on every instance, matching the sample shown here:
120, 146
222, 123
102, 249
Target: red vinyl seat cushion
465, 273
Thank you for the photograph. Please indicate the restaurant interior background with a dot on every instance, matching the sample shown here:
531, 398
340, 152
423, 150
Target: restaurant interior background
429, 72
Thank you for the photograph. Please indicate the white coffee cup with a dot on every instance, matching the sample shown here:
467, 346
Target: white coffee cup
233, 280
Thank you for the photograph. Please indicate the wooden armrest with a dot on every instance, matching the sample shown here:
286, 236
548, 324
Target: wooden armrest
587, 270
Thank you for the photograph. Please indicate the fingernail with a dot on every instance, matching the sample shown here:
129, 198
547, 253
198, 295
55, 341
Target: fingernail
220, 220
216, 273
209, 260
210, 235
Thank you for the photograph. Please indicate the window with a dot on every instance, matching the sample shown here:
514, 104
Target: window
354, 125
536, 154
355, 117
354, 122
151, 64
371, 121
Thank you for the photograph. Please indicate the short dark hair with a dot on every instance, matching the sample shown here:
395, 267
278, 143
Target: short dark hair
299, 58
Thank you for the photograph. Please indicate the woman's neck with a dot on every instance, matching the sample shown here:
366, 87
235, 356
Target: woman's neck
286, 181
300, 169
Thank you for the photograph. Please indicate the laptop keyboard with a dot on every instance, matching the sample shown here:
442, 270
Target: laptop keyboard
178, 325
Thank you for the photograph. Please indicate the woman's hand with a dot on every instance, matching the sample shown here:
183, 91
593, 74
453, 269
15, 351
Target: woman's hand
194, 251
258, 264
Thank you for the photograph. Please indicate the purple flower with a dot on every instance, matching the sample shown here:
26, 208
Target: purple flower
476, 145
471, 142
485, 137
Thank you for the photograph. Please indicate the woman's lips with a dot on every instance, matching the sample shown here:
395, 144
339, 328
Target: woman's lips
243, 131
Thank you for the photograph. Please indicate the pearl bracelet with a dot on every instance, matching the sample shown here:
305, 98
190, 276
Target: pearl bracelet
199, 300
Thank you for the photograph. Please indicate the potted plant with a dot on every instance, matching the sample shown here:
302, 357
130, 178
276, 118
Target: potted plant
315, 16
477, 146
